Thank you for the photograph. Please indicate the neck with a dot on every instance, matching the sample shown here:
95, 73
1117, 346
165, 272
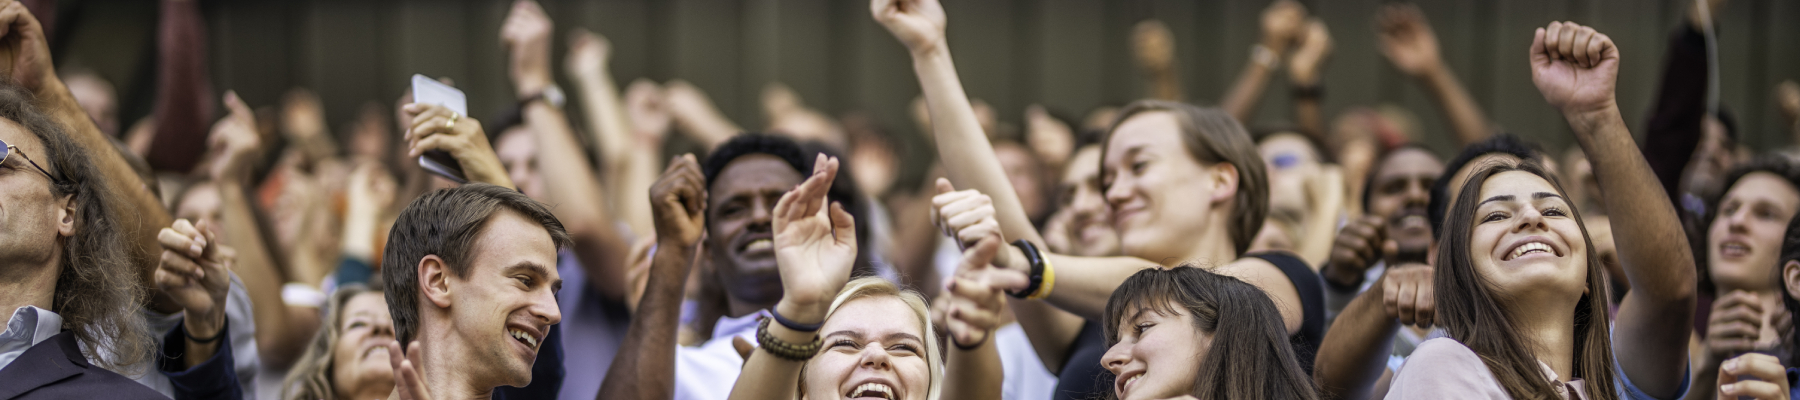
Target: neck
447, 371
27, 285
1212, 249
1551, 335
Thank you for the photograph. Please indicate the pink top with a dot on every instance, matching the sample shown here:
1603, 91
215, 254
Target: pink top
1443, 368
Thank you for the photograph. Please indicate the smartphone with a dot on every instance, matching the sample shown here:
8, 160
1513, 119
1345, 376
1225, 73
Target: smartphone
430, 91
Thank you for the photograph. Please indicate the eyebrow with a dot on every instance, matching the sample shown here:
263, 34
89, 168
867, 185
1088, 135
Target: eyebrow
527, 266
1534, 196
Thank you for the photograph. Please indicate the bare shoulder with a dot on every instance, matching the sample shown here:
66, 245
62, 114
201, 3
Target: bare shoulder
1272, 281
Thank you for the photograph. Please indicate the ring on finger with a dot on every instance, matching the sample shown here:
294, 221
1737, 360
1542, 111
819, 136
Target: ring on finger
451, 123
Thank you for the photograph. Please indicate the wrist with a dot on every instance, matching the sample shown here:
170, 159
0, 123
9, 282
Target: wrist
531, 85
1586, 120
204, 324
934, 49
1339, 277
801, 312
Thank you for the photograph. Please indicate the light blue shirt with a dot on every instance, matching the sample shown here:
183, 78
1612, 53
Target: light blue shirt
28, 326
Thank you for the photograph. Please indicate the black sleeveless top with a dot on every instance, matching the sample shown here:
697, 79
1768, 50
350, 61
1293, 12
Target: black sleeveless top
1312, 305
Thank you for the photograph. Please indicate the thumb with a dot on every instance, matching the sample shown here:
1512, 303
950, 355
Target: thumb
983, 253
743, 347
1389, 250
943, 186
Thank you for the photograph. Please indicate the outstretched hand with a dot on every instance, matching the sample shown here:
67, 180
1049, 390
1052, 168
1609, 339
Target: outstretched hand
1407, 39
1282, 24
1575, 68
526, 34
234, 142
815, 245
588, 54
919, 24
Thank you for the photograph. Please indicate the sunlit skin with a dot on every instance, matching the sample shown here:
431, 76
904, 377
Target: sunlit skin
1088, 225
517, 150
739, 235
870, 340
1400, 192
1163, 201
1744, 241
359, 359
511, 284
1158, 354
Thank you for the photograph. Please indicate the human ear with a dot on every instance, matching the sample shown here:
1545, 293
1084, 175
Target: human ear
434, 280
1790, 277
65, 216
1225, 180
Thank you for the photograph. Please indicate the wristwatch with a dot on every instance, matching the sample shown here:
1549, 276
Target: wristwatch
1265, 57
552, 95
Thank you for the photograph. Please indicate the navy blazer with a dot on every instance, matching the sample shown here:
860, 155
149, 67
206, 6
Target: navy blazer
56, 369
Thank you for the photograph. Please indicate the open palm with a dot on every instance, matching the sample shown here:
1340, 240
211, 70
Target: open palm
1574, 67
815, 248
919, 24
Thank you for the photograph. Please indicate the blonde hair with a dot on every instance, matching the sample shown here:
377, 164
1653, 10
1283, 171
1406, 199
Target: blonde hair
310, 378
874, 286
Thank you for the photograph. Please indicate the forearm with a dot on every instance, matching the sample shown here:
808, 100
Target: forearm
1310, 117
1050, 331
261, 274
1465, 115
645, 366
964, 149
974, 374
1246, 91
116, 177
639, 174
1651, 346
606, 118
767, 376
572, 186
1085, 284
1165, 85
708, 125
1354, 351
1321, 222
183, 95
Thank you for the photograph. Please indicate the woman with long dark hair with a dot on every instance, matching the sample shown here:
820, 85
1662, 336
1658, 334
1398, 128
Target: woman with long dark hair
1520, 290
1161, 321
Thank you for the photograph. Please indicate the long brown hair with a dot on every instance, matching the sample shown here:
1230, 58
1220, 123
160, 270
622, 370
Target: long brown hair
1249, 357
310, 379
99, 286
1212, 136
1471, 312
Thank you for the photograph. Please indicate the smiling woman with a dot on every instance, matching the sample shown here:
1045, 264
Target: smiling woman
348, 358
1190, 332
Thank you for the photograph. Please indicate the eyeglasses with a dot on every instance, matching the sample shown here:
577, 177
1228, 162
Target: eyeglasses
6, 152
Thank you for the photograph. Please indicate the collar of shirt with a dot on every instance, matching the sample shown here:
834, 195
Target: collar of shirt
28, 326
739, 326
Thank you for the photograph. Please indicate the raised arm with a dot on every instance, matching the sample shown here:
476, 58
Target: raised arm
696, 115
1408, 42
573, 188
282, 331
644, 368
621, 154
1282, 22
1304, 72
815, 248
1576, 69
1154, 47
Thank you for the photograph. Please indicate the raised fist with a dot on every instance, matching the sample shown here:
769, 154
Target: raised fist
1574, 67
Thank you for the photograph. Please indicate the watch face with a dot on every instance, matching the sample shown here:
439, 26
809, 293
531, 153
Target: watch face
554, 95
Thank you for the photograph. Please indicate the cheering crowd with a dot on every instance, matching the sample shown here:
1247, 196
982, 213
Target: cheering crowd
1154, 250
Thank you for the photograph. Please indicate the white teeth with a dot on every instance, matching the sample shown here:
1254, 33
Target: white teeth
521, 335
1530, 248
873, 389
759, 244
1133, 379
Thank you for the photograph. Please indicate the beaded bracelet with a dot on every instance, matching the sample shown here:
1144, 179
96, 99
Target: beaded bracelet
785, 350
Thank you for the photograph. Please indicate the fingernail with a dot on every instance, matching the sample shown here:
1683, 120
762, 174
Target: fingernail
196, 249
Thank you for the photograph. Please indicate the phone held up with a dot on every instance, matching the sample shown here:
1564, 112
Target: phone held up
430, 91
